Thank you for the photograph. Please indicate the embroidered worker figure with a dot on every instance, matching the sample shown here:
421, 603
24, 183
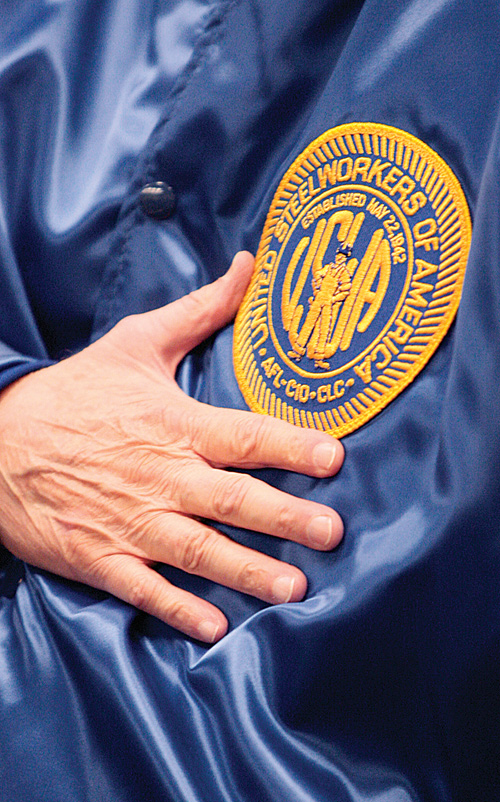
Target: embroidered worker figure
331, 284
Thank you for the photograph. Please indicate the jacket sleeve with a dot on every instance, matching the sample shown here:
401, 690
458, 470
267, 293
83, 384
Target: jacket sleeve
21, 343
14, 365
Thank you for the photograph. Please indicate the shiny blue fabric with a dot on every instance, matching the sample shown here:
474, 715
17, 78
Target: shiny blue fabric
383, 684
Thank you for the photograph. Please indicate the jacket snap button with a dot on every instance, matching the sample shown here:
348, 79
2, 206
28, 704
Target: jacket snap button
158, 200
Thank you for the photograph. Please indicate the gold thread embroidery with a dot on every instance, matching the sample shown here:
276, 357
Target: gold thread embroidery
358, 278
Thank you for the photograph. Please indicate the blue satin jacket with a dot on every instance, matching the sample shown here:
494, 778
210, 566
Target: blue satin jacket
383, 684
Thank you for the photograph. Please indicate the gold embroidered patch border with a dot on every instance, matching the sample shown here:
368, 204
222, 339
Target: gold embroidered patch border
357, 280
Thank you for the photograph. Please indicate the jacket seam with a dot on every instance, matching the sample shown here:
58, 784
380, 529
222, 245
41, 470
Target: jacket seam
107, 300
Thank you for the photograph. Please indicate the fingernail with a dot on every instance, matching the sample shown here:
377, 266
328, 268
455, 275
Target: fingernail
283, 589
319, 531
324, 455
208, 631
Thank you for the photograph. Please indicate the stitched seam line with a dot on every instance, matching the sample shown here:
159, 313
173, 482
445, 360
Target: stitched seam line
107, 301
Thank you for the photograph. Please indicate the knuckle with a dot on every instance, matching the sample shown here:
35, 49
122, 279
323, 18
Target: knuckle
71, 548
100, 570
169, 484
252, 579
75, 546
139, 595
228, 497
137, 468
249, 435
185, 424
179, 616
145, 597
284, 521
194, 551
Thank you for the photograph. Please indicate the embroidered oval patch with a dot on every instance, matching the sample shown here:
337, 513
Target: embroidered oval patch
357, 280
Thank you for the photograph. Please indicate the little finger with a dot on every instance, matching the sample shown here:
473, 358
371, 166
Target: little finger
130, 579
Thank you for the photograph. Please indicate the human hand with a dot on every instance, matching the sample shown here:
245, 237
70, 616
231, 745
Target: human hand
107, 467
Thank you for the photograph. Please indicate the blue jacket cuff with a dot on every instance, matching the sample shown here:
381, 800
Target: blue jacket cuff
20, 366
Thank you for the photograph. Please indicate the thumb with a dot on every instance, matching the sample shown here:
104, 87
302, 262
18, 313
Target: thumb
182, 325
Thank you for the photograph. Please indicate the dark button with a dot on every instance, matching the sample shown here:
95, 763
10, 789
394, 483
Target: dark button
158, 200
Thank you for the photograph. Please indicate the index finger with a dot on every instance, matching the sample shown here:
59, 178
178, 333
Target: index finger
232, 438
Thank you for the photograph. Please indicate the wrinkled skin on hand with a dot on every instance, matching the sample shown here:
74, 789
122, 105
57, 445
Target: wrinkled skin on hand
107, 466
